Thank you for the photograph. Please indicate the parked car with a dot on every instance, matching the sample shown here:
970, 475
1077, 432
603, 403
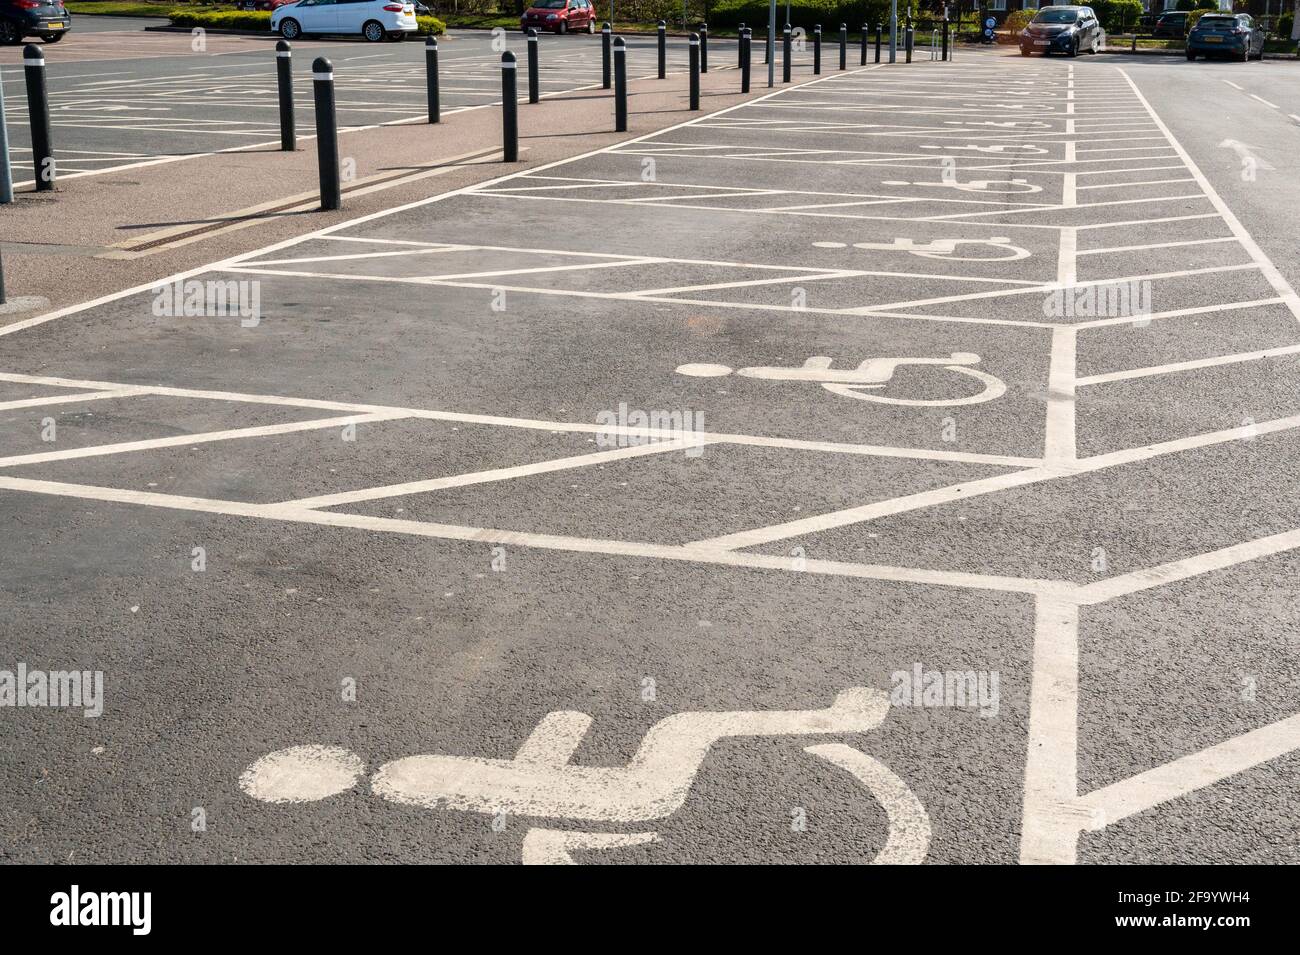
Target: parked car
1069, 30
375, 20
559, 16
1171, 26
1237, 35
47, 19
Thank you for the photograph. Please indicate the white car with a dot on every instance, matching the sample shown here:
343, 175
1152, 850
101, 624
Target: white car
373, 19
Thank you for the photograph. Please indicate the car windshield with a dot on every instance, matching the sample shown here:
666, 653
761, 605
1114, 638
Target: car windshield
549, 5
1056, 16
1216, 21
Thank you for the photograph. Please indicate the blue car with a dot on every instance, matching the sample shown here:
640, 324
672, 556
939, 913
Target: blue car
1235, 34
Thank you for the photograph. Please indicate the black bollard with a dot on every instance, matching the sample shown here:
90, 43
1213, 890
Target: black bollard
865, 32
704, 48
844, 46
606, 34
534, 94
880, 29
38, 114
663, 49
740, 32
284, 81
509, 109
620, 85
817, 49
744, 61
785, 55
907, 39
327, 134
431, 79
945, 35
695, 71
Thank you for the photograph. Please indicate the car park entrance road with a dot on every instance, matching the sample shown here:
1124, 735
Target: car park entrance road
896, 467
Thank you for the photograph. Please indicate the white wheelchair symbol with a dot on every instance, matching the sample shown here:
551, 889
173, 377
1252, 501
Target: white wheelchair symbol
871, 374
939, 248
1001, 187
542, 781
1021, 149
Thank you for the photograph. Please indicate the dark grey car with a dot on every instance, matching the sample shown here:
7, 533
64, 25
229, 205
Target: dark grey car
1068, 30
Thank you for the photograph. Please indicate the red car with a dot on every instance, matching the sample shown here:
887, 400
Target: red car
559, 16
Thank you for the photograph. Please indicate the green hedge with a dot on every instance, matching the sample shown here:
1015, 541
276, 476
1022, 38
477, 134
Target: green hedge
803, 13
261, 20
225, 20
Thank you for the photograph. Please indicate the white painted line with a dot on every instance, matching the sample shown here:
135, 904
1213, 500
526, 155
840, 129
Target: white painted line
484, 535
182, 440
1189, 365
1050, 825
1059, 439
1262, 100
69, 399
1195, 771
496, 474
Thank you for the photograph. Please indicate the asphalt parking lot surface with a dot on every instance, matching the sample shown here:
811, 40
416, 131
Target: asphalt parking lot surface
897, 467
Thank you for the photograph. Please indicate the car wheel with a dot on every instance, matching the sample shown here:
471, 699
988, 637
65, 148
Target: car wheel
289, 29
373, 31
10, 35
562, 29
1191, 57
1074, 48
591, 27
1096, 46
1245, 55
1025, 51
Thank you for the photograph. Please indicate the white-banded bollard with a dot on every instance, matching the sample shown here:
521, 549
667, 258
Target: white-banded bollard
844, 46
606, 34
785, 54
817, 49
327, 134
6, 173
740, 32
704, 48
662, 29
620, 85
865, 31
509, 109
284, 84
432, 90
38, 114
534, 94
695, 71
880, 30
744, 59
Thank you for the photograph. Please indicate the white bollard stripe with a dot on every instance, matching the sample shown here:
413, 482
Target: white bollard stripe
323, 76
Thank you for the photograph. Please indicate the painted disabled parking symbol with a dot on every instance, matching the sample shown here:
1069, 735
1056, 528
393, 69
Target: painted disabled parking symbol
861, 382
542, 780
944, 249
995, 186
